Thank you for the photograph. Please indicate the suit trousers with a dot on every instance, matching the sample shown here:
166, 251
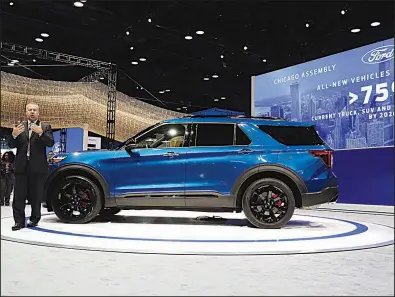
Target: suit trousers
29, 184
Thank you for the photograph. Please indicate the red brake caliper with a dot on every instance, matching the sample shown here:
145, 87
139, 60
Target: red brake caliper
274, 196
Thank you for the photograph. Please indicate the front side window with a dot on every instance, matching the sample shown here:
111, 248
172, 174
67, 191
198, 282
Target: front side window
214, 134
169, 135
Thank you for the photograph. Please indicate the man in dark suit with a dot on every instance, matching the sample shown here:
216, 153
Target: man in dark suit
31, 167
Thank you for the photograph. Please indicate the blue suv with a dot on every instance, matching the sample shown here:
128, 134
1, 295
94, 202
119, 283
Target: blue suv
265, 167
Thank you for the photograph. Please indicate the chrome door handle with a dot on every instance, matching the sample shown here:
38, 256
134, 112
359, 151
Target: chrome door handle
170, 154
245, 151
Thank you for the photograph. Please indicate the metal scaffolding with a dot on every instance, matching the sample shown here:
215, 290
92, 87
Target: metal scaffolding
105, 69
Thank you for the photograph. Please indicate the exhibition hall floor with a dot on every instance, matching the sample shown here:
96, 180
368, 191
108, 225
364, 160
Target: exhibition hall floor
336, 250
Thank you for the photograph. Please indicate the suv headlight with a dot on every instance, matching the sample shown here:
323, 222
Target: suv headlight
57, 159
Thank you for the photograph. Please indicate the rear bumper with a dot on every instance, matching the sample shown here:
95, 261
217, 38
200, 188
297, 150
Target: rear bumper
329, 194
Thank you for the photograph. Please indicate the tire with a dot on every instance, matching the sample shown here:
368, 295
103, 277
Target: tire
88, 194
250, 196
109, 211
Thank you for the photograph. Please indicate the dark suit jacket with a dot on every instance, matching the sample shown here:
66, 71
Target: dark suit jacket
38, 154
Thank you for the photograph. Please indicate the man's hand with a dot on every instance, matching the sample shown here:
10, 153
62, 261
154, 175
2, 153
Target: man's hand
37, 129
18, 130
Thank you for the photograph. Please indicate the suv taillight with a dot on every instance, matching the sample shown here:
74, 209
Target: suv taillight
326, 156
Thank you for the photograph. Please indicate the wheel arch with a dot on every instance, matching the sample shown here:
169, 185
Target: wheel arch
76, 169
285, 174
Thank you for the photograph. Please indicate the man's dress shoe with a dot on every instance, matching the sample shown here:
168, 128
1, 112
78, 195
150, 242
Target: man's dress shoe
17, 227
31, 224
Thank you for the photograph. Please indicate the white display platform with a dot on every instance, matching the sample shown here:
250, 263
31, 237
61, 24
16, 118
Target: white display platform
179, 232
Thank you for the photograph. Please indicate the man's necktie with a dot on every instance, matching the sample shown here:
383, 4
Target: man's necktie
30, 135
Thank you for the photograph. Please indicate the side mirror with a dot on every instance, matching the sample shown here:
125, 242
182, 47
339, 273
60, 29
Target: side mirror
130, 150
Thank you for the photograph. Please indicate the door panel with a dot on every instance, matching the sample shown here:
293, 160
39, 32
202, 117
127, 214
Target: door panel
154, 173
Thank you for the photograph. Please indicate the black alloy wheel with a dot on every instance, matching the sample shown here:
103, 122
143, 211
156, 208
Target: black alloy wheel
77, 200
268, 203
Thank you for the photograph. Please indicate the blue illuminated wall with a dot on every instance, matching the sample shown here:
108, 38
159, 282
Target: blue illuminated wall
350, 98
74, 141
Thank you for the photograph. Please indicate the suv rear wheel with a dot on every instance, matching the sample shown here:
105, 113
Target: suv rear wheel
268, 203
76, 200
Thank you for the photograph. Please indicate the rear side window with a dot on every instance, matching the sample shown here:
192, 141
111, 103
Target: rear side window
214, 134
241, 137
291, 135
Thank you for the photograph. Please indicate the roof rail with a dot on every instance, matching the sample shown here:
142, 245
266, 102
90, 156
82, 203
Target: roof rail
234, 116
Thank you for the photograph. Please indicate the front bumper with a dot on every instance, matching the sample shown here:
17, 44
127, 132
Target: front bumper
327, 195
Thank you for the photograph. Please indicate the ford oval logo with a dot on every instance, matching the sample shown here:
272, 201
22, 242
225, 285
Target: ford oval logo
379, 55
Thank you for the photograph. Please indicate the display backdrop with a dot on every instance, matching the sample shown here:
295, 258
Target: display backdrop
350, 98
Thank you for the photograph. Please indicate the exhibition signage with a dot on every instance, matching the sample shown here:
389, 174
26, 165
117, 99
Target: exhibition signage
348, 96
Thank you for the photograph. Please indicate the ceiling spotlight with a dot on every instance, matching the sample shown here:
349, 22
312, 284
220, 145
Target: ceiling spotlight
188, 37
200, 32
44, 34
343, 12
206, 78
134, 63
375, 24
167, 90
222, 56
39, 39
215, 76
83, 1
149, 20
264, 60
102, 77
11, 3
10, 64
245, 47
216, 100
356, 30
131, 48
178, 108
307, 25
184, 107
223, 98
143, 59
127, 32
78, 4
14, 61
34, 60
161, 92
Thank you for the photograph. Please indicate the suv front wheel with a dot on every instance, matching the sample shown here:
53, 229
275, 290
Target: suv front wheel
76, 200
268, 203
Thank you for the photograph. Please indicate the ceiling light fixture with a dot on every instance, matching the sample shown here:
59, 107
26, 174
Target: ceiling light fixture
131, 48
10, 64
102, 77
215, 76
188, 37
83, 1
222, 56
127, 32
264, 60
307, 25
34, 60
11, 3
149, 20
44, 34
39, 39
206, 78
167, 90
199, 32
355, 30
343, 12
245, 47
14, 61
134, 63
375, 24
223, 98
161, 92
78, 4
143, 59
178, 108
216, 100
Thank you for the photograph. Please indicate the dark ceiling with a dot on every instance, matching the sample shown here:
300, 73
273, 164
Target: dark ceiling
275, 34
